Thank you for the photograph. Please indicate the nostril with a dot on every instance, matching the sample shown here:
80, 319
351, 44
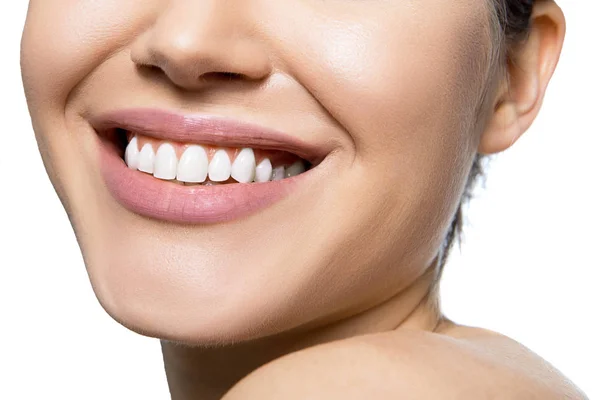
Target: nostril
149, 70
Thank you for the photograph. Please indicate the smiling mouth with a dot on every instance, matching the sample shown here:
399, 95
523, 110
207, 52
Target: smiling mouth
201, 169
192, 164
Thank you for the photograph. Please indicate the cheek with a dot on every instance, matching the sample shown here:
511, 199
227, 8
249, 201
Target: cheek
64, 40
398, 93
407, 89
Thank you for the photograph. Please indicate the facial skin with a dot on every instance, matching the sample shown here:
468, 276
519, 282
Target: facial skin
395, 87
402, 94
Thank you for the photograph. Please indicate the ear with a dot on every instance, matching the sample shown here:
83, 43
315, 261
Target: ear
529, 70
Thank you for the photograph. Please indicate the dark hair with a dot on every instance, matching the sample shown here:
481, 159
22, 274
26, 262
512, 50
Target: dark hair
514, 17
512, 20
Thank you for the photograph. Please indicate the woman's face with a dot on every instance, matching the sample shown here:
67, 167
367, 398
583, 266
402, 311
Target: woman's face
381, 96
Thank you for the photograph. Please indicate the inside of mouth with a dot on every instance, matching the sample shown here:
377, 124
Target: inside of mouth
177, 163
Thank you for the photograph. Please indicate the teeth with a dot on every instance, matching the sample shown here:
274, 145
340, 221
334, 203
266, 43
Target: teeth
278, 173
165, 164
295, 169
219, 169
264, 171
132, 154
193, 166
146, 160
244, 166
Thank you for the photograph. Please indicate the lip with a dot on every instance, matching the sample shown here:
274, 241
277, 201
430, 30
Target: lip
145, 195
206, 129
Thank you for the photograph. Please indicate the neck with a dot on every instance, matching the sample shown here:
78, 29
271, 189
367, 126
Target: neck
208, 373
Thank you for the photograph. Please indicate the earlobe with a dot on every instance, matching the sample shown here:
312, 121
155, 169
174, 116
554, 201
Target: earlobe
502, 130
528, 72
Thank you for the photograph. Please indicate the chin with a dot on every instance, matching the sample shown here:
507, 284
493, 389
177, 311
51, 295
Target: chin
196, 287
197, 317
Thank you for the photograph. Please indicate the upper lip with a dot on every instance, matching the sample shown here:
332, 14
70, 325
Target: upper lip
205, 129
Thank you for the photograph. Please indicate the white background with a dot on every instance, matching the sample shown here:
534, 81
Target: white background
528, 268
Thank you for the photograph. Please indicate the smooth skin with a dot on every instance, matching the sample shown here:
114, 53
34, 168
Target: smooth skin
331, 292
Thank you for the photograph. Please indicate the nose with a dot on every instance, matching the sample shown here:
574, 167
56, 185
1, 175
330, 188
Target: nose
197, 42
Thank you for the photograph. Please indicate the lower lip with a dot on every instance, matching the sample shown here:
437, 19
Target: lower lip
145, 195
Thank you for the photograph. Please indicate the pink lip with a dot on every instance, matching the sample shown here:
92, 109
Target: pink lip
208, 130
151, 197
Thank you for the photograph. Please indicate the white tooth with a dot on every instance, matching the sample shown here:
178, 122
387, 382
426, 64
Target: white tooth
244, 166
146, 160
165, 164
219, 169
264, 171
132, 154
295, 169
278, 173
193, 166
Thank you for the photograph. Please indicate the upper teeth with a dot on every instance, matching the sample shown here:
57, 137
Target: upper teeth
194, 165
244, 167
165, 164
219, 169
146, 159
264, 171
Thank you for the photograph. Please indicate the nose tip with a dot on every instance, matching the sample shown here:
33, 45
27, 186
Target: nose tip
193, 47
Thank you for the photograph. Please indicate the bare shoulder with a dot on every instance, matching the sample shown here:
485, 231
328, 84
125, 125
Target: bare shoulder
461, 362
